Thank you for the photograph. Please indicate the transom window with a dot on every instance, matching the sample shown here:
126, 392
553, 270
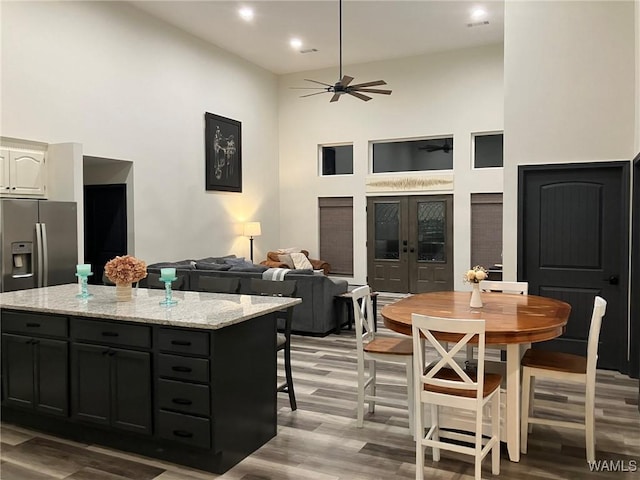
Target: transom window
413, 155
336, 159
487, 150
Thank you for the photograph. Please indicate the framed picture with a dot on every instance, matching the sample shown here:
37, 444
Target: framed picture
223, 143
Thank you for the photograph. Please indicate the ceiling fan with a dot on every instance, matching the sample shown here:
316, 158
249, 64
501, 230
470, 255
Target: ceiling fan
446, 147
343, 85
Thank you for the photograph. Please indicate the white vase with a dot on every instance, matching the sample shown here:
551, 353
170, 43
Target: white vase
476, 299
123, 292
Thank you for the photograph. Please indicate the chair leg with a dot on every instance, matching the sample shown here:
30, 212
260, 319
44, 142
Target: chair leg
495, 431
419, 435
435, 421
478, 446
524, 417
360, 407
589, 421
469, 352
372, 374
287, 371
410, 397
532, 391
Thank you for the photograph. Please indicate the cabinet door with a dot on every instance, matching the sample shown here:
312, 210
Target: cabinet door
4, 171
27, 173
51, 384
18, 370
90, 377
131, 390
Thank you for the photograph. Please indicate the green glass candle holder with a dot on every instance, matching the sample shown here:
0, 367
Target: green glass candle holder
168, 300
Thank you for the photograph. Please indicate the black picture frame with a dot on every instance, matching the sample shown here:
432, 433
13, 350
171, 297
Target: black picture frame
223, 160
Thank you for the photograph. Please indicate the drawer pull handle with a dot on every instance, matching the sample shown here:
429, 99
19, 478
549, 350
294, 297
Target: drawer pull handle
182, 433
182, 343
33, 325
110, 334
182, 401
179, 368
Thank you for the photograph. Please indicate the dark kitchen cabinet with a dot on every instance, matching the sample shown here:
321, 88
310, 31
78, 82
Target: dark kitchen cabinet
111, 386
34, 372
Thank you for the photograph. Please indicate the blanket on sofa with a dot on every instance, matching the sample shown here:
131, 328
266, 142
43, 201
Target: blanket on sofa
275, 273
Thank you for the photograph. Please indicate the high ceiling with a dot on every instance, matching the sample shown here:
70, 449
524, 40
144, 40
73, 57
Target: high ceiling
372, 30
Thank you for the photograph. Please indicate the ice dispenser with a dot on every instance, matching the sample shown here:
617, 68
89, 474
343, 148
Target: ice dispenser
22, 264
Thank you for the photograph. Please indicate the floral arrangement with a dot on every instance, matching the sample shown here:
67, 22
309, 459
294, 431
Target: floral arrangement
125, 269
476, 274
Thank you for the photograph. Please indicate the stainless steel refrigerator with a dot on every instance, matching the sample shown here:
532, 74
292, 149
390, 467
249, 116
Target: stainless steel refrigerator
38, 243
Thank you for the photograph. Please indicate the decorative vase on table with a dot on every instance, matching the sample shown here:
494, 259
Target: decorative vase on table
476, 299
123, 292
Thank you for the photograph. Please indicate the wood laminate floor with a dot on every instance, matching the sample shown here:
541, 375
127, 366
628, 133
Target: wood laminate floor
320, 441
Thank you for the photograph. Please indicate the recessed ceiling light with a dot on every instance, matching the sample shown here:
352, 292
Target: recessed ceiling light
478, 13
295, 43
246, 13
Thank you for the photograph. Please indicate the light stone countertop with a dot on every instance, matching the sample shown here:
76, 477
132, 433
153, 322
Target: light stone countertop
194, 309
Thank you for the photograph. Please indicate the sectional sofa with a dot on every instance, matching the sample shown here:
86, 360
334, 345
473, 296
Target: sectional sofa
317, 315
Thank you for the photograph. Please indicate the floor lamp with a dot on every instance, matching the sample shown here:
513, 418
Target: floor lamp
252, 229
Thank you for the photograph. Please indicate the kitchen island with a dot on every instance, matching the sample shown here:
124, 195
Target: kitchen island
193, 384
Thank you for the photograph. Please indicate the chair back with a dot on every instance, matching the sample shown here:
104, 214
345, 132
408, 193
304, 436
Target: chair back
435, 375
521, 288
152, 280
363, 315
218, 284
599, 309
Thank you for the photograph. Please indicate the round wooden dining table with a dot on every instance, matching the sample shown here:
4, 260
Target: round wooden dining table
510, 320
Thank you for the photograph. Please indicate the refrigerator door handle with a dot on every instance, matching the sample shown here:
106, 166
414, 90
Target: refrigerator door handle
45, 261
39, 253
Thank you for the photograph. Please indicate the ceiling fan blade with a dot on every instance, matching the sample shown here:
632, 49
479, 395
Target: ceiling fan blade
315, 81
346, 80
335, 97
371, 90
360, 96
370, 84
311, 94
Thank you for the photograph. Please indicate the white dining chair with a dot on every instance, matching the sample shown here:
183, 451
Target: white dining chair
372, 348
444, 383
564, 367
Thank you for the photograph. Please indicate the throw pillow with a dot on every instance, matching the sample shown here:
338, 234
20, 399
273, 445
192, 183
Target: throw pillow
219, 260
289, 250
286, 259
252, 268
300, 261
238, 262
211, 266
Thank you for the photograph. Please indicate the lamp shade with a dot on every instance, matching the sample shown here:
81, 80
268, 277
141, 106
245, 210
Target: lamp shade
252, 229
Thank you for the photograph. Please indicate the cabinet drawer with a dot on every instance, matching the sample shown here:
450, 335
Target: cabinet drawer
183, 397
184, 428
34, 324
111, 333
183, 368
183, 341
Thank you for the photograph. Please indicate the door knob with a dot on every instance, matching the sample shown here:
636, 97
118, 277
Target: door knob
613, 280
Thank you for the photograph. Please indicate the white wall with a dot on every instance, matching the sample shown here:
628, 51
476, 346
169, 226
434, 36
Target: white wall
455, 93
127, 86
570, 91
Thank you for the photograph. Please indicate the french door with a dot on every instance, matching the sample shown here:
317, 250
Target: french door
410, 243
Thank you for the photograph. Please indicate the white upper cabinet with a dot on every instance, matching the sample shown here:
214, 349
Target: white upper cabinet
23, 173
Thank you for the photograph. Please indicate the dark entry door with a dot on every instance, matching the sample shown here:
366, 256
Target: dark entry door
573, 245
105, 226
410, 243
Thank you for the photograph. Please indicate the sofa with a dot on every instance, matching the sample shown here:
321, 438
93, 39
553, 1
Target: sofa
317, 315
